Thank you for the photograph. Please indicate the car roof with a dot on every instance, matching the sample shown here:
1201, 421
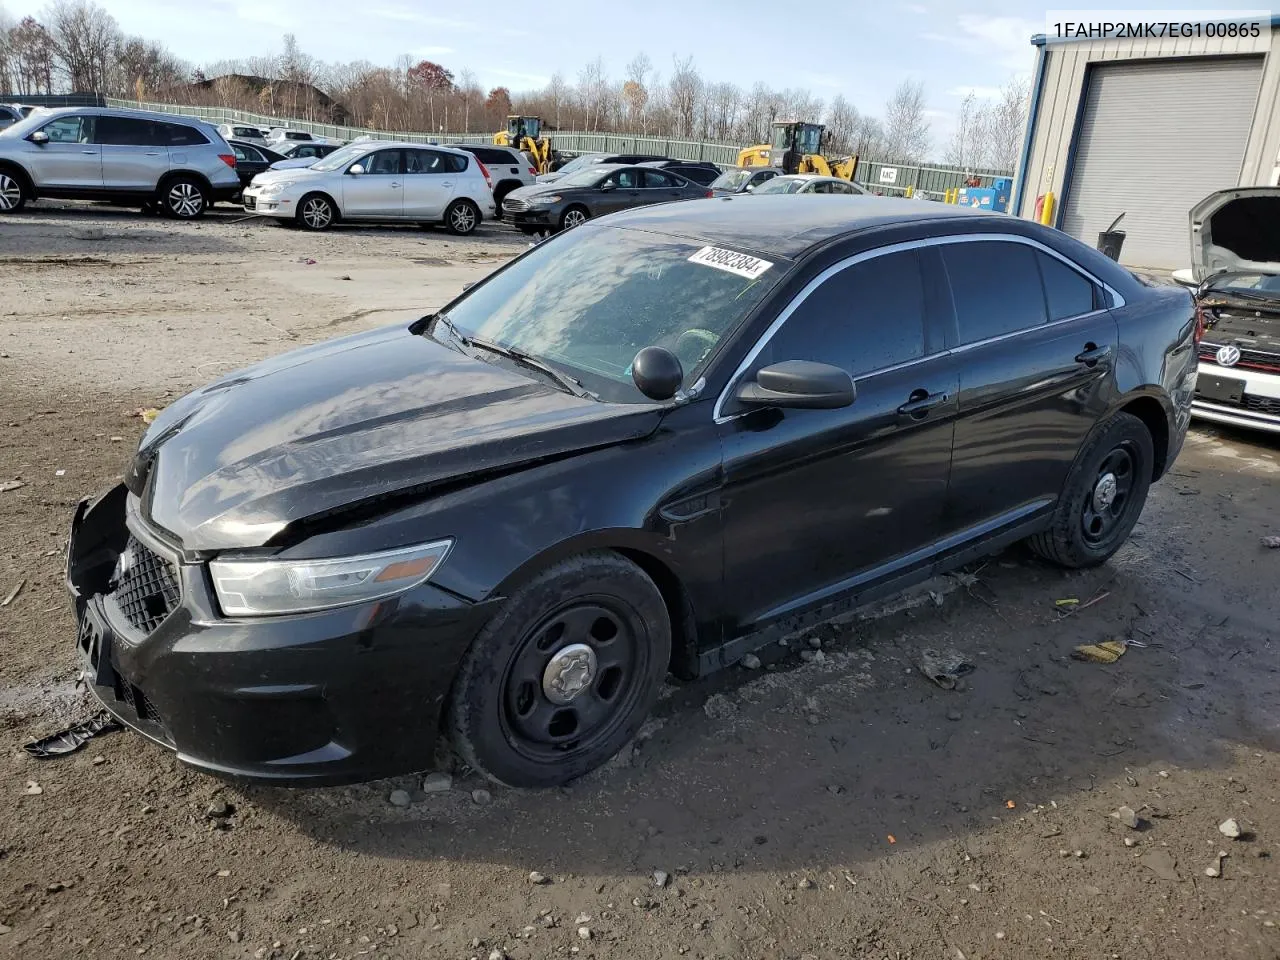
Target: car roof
784, 225
121, 112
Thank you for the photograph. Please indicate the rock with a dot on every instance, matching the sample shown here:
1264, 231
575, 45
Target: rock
835, 789
437, 783
33, 789
235, 936
954, 715
4, 928
1130, 842
999, 934
1163, 773
400, 798
1230, 828
819, 657
537, 878
750, 662
148, 808
497, 955
584, 933
582, 918
805, 884
224, 873
219, 810
1161, 863
99, 761
808, 656
815, 643
1126, 816
719, 707
661, 878
1078, 854
481, 797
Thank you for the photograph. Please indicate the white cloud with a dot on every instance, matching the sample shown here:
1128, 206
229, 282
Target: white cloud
1005, 41
432, 51
982, 93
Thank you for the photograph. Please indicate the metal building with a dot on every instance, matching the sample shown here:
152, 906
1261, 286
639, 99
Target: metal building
1148, 128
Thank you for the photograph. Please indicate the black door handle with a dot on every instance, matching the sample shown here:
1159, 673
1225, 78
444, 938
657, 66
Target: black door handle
920, 403
1092, 354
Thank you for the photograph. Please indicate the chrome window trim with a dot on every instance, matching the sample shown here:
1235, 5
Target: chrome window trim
1117, 301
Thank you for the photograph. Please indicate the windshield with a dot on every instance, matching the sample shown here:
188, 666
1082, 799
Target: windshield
809, 139
779, 185
1255, 284
781, 138
340, 158
589, 300
733, 180
578, 163
583, 178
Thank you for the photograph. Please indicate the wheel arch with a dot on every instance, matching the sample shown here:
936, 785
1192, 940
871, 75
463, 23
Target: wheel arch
1153, 408
333, 201
195, 175
17, 170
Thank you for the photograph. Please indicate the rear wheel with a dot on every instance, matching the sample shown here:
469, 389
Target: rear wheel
462, 218
564, 674
1103, 497
316, 212
12, 197
184, 198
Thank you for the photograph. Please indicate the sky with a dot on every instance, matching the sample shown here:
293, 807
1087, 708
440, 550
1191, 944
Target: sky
860, 50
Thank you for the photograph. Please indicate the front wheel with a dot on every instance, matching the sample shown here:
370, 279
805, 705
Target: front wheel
316, 212
1103, 497
183, 198
573, 217
462, 218
12, 197
564, 674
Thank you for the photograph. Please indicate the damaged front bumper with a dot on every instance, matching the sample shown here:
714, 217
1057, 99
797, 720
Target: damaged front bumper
336, 696
1239, 395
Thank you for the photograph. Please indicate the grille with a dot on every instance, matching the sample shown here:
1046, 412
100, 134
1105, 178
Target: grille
515, 205
127, 692
146, 586
1253, 359
1269, 405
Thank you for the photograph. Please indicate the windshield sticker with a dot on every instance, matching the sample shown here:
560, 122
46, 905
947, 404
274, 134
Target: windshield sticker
731, 262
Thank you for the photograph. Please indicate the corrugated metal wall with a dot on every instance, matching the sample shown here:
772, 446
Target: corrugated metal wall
1063, 89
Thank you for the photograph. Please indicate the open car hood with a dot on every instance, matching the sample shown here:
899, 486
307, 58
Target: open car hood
1236, 230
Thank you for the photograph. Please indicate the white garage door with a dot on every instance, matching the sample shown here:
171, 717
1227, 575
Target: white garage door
1156, 139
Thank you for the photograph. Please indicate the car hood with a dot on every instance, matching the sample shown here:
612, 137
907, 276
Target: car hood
548, 177
295, 163
319, 430
538, 190
1236, 230
276, 172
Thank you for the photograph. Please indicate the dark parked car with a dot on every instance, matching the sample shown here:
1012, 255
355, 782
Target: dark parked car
300, 153
650, 444
251, 160
742, 180
582, 162
592, 192
700, 173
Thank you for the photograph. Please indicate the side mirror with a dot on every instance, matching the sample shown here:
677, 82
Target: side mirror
356, 170
800, 385
39, 137
607, 186
751, 188
657, 373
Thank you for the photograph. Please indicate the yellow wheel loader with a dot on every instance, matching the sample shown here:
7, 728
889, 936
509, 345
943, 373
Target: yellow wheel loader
796, 148
525, 134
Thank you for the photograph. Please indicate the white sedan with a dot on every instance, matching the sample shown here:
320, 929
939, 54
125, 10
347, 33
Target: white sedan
807, 183
379, 181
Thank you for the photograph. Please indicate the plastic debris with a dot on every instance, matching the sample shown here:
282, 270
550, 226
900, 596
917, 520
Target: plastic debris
1066, 602
1215, 869
13, 594
59, 473
73, 737
892, 838
309, 261
33, 789
146, 414
11, 485
1128, 817
943, 667
1272, 543
1109, 651
1009, 804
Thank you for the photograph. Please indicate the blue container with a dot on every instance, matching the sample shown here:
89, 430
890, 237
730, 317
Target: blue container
994, 197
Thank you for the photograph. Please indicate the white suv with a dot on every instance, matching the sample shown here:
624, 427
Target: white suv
380, 181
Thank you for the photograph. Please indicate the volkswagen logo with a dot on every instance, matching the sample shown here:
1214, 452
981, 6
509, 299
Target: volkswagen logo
1228, 356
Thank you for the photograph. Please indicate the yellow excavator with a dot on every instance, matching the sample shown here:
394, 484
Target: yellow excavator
525, 134
796, 148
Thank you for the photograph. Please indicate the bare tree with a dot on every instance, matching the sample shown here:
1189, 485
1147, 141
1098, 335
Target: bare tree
1004, 123
683, 92
842, 126
593, 86
84, 40
469, 90
906, 129
635, 92
967, 146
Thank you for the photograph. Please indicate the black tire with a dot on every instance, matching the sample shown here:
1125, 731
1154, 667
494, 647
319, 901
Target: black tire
315, 212
570, 218
462, 218
502, 189
1090, 524
183, 198
502, 717
13, 192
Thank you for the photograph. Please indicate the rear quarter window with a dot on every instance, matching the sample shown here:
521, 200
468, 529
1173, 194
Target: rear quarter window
995, 286
180, 135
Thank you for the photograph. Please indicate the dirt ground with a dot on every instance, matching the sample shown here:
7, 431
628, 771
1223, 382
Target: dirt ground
839, 807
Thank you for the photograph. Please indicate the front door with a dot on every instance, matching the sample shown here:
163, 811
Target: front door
134, 155
429, 183
70, 159
378, 192
1038, 351
623, 192
819, 503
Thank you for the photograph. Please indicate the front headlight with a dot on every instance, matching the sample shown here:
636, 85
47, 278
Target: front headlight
544, 201
276, 186
255, 588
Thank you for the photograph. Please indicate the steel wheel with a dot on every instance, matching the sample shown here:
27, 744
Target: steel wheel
462, 219
572, 680
185, 200
1106, 503
573, 217
10, 194
316, 213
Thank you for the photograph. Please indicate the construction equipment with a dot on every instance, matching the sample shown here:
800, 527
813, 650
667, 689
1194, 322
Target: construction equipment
796, 148
525, 134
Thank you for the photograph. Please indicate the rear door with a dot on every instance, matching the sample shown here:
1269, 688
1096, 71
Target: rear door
1038, 349
430, 181
379, 191
71, 159
657, 186
134, 155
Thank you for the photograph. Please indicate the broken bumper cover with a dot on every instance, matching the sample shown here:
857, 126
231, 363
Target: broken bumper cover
1237, 396
337, 696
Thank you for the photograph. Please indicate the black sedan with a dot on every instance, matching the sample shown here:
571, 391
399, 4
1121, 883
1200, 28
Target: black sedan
599, 189
651, 444
251, 160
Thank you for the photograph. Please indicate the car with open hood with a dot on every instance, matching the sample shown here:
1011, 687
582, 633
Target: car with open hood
1235, 249
651, 444
594, 191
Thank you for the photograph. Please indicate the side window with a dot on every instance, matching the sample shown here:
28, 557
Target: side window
1067, 292
822, 186
240, 152
455, 163
628, 179
866, 317
180, 135
494, 157
252, 155
995, 285
840, 188
383, 163
764, 176
70, 130
656, 178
